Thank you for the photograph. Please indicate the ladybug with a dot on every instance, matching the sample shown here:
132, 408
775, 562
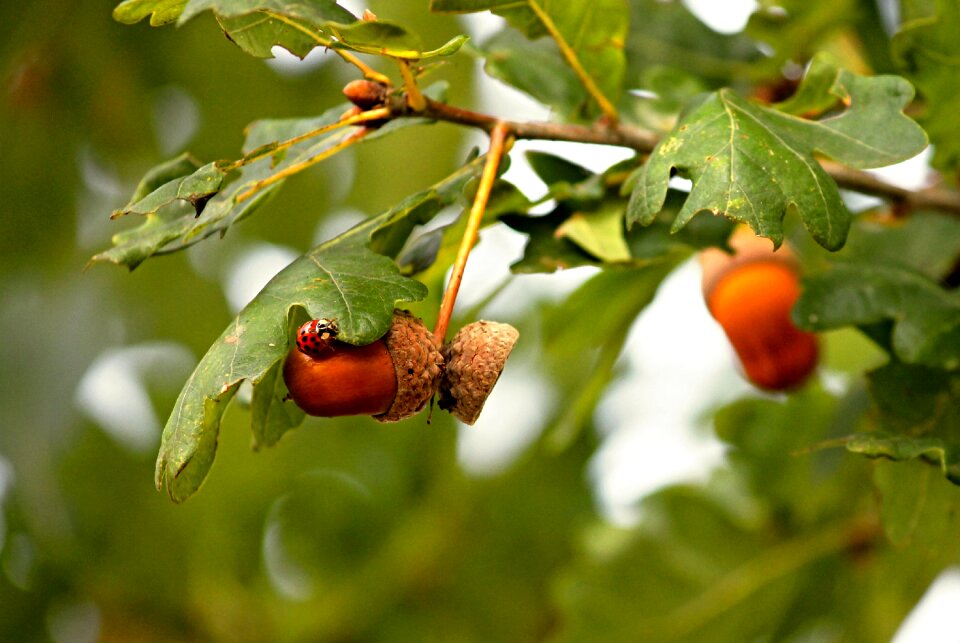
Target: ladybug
314, 337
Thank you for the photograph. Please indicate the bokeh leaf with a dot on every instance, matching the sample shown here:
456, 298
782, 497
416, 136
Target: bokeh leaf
593, 30
536, 68
919, 417
669, 36
161, 12
751, 163
925, 48
926, 318
342, 279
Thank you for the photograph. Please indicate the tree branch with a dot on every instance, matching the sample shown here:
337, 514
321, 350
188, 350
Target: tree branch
643, 141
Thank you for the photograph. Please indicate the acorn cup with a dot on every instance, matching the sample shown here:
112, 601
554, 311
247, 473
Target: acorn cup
474, 360
390, 379
751, 294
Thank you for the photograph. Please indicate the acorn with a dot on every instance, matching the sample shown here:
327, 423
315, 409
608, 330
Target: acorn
366, 94
474, 360
751, 294
390, 379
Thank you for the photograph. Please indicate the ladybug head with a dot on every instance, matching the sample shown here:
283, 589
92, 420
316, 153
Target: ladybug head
315, 336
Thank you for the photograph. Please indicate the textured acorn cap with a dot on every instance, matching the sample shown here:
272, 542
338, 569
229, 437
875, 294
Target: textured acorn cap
417, 362
474, 360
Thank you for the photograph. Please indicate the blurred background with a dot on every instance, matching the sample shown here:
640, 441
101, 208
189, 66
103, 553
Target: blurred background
347, 530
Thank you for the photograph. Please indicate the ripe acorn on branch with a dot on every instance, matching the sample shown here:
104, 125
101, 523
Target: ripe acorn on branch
390, 379
751, 294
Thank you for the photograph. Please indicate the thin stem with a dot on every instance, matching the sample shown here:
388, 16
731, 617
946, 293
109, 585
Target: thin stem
415, 99
368, 71
571, 57
498, 145
302, 165
643, 141
271, 149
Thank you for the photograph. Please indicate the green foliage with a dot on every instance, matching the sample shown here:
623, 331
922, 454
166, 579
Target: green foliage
924, 48
592, 30
343, 280
834, 507
751, 163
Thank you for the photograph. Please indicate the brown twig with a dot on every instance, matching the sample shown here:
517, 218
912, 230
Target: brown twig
643, 141
498, 145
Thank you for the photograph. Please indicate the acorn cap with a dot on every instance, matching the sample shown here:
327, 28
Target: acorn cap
747, 248
417, 362
474, 360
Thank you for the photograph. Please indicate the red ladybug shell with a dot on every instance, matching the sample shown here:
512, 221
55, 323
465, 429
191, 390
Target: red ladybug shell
315, 336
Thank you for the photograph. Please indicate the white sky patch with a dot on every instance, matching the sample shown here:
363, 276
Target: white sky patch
912, 174
679, 364
512, 418
249, 273
113, 392
729, 16
176, 118
286, 64
934, 618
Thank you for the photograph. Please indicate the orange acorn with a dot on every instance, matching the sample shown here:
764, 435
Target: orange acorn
390, 379
751, 294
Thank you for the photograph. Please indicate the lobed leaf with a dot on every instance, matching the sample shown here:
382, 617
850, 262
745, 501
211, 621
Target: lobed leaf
217, 208
926, 318
752, 163
344, 279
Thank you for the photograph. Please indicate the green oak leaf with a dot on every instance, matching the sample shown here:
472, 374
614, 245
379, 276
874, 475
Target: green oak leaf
598, 232
343, 279
751, 163
926, 242
545, 251
919, 417
385, 38
925, 48
670, 36
168, 230
195, 188
594, 31
926, 318
161, 12
155, 177
536, 68
919, 509
258, 25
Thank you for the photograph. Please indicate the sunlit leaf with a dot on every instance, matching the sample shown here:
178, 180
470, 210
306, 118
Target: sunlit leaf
161, 12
